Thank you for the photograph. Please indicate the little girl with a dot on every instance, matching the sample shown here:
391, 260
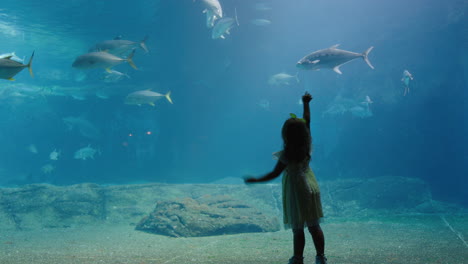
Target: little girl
301, 194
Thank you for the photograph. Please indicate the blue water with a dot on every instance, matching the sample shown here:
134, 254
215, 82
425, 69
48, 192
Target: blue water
226, 118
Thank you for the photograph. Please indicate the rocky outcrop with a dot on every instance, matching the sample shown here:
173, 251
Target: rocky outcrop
362, 197
43, 205
196, 209
207, 216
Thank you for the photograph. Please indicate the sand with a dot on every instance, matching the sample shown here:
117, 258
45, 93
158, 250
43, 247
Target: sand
399, 239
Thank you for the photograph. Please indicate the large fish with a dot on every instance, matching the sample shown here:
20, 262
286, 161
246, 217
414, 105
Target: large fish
331, 58
223, 26
9, 68
213, 11
101, 59
119, 46
146, 97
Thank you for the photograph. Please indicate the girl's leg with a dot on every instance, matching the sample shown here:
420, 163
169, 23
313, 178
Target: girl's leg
319, 239
299, 242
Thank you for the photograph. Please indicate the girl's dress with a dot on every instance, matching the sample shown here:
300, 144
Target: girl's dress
301, 195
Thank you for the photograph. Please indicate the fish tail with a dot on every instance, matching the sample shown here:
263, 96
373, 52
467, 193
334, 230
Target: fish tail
29, 65
366, 59
130, 61
143, 45
297, 77
168, 97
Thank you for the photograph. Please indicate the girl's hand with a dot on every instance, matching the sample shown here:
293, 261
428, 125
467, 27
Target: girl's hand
249, 179
306, 98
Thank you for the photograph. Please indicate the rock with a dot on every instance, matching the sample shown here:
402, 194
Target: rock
353, 197
251, 208
206, 216
44, 205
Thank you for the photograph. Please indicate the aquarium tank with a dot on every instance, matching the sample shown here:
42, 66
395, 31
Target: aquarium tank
118, 118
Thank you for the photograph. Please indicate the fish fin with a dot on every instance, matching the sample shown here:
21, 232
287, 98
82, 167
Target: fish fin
337, 69
297, 77
315, 61
118, 37
11, 79
366, 59
29, 65
228, 31
108, 70
204, 11
235, 12
222, 36
168, 97
130, 61
8, 57
143, 45
152, 104
334, 46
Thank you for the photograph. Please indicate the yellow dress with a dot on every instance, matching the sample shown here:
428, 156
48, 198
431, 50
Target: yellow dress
301, 195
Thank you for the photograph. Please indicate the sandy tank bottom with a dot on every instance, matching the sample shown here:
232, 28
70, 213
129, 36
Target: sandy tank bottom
401, 239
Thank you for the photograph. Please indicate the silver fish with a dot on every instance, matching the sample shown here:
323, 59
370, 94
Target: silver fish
331, 58
85, 153
407, 76
9, 68
86, 128
260, 22
262, 7
119, 46
101, 59
114, 76
146, 97
223, 27
283, 79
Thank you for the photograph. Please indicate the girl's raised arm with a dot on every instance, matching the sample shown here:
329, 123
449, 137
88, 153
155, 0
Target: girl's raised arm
306, 98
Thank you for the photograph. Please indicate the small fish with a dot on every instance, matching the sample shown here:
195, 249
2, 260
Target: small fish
260, 22
12, 56
9, 68
146, 97
223, 26
86, 128
114, 76
85, 153
119, 46
33, 149
54, 155
282, 79
331, 58
264, 104
213, 11
48, 168
262, 7
101, 59
367, 101
407, 77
